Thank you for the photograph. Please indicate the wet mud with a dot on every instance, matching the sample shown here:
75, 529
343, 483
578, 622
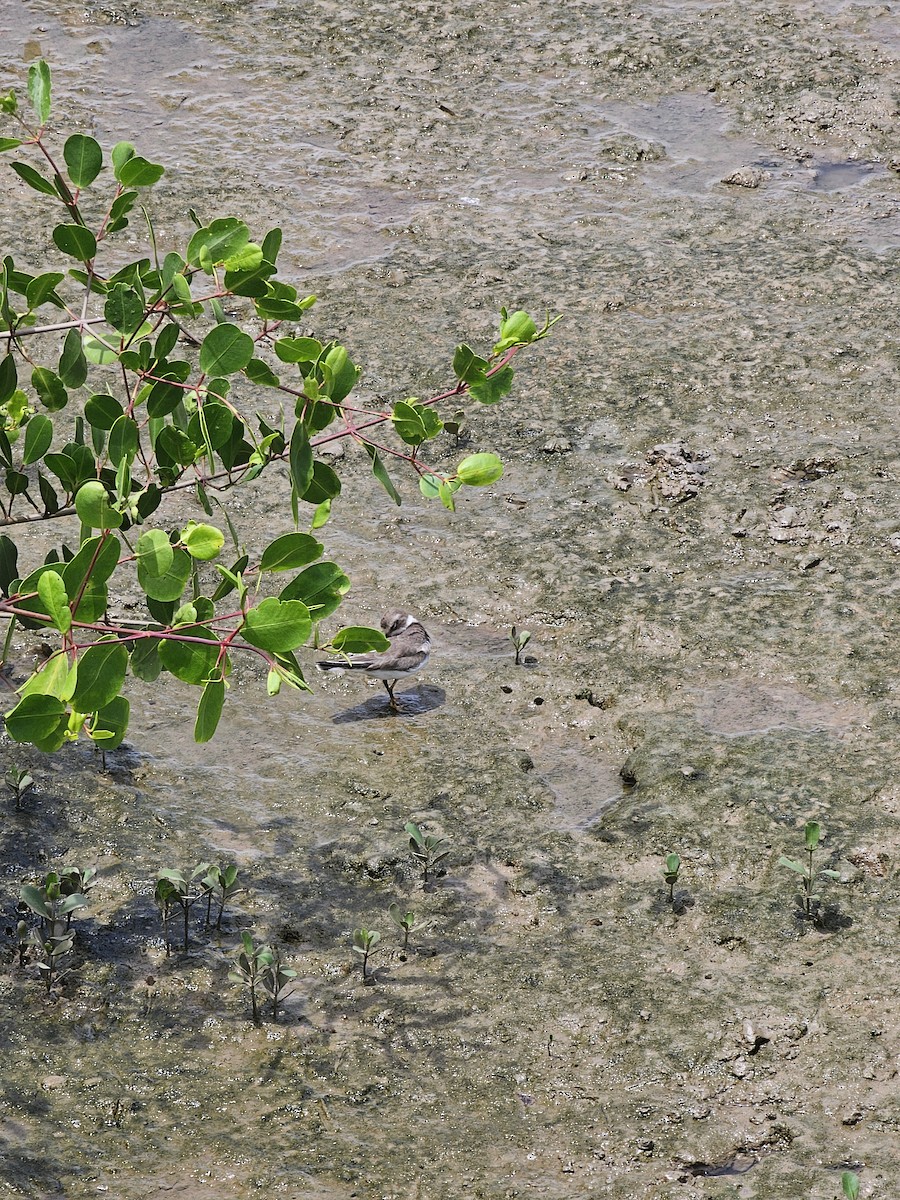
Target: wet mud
698, 524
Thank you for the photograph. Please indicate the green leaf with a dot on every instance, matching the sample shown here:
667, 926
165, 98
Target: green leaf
76, 241
220, 240
517, 329
290, 551
101, 673
321, 587
261, 373
408, 423
479, 470
9, 143
39, 90
301, 460
124, 440
34, 898
9, 378
467, 365
102, 411
493, 387
98, 556
298, 349
84, 158
124, 308
202, 541
225, 350
55, 678
50, 388
9, 559
38, 436
138, 172
35, 718
792, 864
73, 366
209, 710
191, 661
121, 153
430, 486
34, 179
169, 584
145, 660
811, 833
343, 373
94, 510
42, 288
96, 352
324, 485
52, 592
154, 553
277, 625
119, 210
358, 639
110, 724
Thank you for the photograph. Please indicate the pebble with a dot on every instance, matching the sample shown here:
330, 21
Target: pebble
557, 446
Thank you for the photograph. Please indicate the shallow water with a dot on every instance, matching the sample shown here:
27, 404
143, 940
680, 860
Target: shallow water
724, 637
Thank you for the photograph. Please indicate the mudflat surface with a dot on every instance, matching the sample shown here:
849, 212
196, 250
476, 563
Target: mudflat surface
699, 525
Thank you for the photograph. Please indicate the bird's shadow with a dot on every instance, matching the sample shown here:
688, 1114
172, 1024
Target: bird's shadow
412, 703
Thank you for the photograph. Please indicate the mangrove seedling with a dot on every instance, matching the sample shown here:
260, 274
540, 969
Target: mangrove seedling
276, 980
173, 889
456, 425
426, 849
670, 874
20, 783
250, 968
807, 872
77, 881
365, 942
408, 922
56, 947
520, 639
54, 906
850, 1185
225, 880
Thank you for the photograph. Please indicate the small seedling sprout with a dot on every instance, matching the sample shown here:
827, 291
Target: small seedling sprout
20, 783
520, 639
426, 849
850, 1185
408, 922
365, 942
172, 888
276, 980
670, 874
225, 879
808, 873
250, 967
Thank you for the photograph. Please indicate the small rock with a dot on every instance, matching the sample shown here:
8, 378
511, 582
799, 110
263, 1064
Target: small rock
740, 1068
645, 1145
332, 450
747, 177
51, 1083
806, 562
557, 446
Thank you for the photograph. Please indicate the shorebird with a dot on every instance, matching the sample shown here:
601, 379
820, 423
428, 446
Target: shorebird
407, 653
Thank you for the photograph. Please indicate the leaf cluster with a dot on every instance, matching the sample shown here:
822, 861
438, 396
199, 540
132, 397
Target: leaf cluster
121, 385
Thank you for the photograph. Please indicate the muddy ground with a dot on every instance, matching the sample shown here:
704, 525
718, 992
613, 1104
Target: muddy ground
698, 524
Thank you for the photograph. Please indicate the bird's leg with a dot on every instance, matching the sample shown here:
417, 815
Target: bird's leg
389, 684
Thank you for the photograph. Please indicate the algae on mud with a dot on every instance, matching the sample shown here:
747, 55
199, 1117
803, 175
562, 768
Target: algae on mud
571, 1034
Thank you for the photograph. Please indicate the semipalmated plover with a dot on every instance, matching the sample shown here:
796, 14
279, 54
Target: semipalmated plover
407, 653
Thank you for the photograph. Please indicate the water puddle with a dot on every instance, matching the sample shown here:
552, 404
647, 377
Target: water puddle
747, 707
